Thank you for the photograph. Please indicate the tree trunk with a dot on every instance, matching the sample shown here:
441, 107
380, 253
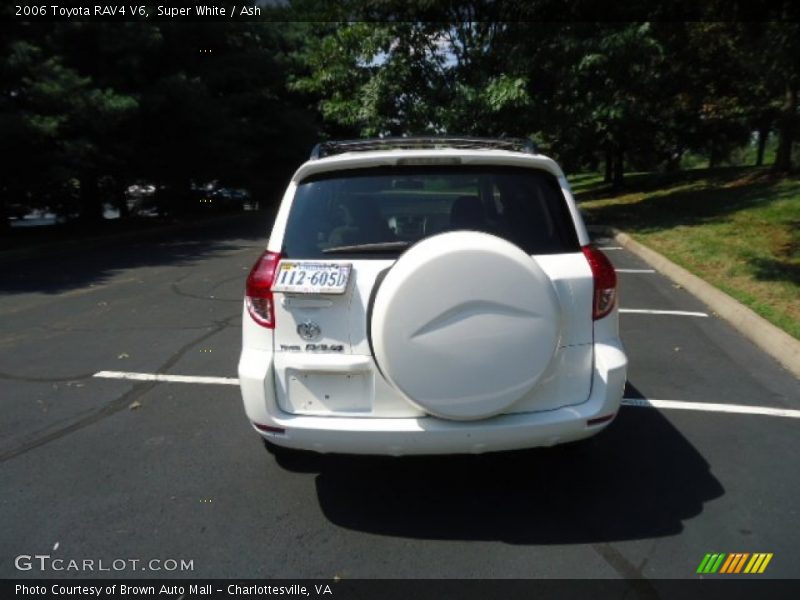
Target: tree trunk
4, 225
619, 167
713, 156
609, 166
91, 207
783, 157
674, 161
184, 201
121, 199
763, 136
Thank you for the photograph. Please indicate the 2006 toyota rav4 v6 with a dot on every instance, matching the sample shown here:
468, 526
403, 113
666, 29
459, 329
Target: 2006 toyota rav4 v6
429, 296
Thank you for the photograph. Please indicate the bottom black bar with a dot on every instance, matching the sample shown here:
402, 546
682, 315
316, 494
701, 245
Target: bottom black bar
732, 588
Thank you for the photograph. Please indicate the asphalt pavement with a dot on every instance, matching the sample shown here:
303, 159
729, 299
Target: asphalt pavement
109, 469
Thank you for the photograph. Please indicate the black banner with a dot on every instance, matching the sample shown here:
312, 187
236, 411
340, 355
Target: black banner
733, 588
176, 11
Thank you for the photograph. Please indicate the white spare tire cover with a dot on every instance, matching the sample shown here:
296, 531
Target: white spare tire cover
464, 324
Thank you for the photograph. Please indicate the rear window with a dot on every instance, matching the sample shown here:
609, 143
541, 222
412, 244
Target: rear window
378, 212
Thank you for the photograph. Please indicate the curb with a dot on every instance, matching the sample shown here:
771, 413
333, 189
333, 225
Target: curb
774, 341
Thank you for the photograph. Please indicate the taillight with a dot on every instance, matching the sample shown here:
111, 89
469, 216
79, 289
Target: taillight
258, 296
605, 282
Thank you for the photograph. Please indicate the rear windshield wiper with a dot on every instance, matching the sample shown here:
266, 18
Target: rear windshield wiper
367, 248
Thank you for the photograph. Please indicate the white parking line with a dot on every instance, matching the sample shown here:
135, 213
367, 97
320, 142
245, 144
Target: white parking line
166, 378
635, 270
739, 409
680, 313
604, 248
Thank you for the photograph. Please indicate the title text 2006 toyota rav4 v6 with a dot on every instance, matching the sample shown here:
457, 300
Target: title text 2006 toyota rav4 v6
429, 296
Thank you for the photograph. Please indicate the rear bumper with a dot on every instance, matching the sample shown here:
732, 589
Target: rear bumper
430, 435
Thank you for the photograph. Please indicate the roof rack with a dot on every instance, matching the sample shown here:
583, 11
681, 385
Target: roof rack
422, 143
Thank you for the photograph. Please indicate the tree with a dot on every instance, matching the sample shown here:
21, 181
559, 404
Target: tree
98, 106
783, 68
375, 78
215, 106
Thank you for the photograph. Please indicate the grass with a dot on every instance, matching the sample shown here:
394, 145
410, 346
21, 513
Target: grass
738, 228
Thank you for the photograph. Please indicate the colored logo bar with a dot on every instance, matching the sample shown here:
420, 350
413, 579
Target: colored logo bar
737, 562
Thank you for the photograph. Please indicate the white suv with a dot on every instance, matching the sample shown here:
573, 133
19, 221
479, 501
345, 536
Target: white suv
429, 296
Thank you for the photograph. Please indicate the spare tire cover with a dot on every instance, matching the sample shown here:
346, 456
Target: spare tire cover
464, 324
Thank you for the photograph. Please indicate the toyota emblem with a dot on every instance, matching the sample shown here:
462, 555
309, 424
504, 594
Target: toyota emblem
309, 330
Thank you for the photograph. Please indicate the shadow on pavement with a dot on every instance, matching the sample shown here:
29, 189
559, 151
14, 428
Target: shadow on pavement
78, 266
705, 197
638, 479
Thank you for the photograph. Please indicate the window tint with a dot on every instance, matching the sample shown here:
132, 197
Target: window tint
406, 204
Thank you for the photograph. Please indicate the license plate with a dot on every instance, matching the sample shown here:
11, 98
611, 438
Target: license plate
302, 277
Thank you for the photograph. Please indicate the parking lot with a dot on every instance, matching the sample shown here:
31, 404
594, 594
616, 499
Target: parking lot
109, 467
